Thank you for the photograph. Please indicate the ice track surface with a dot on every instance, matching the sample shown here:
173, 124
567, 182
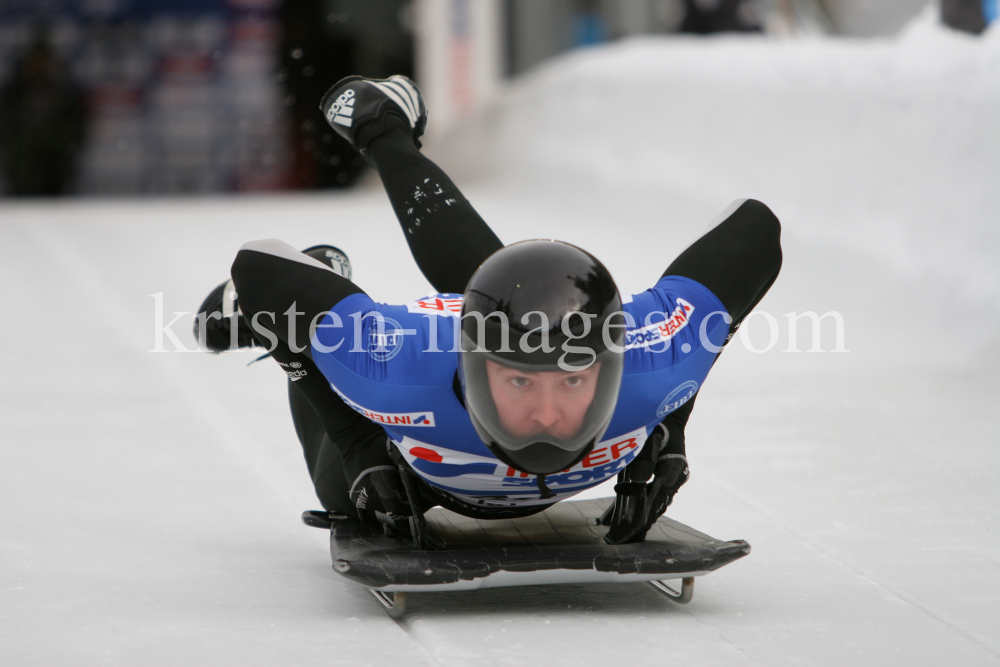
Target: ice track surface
150, 501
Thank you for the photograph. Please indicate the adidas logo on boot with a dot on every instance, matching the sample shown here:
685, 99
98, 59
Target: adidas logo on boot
356, 108
342, 110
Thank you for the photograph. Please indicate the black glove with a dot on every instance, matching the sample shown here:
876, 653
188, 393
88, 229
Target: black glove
637, 504
671, 473
388, 495
375, 482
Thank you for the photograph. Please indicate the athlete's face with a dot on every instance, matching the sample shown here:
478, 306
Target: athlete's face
550, 402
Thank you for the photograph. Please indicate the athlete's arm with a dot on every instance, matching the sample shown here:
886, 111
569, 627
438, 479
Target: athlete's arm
284, 294
738, 259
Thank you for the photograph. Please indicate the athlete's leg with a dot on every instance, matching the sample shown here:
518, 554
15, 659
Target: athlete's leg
383, 119
220, 325
448, 239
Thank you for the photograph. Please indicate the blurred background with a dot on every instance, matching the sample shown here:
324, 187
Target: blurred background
135, 97
169, 486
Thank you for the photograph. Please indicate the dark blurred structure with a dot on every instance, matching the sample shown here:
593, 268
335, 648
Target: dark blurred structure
709, 16
181, 94
324, 41
138, 97
967, 15
186, 96
539, 29
42, 123
589, 24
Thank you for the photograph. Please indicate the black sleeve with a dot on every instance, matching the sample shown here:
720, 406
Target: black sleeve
270, 278
737, 260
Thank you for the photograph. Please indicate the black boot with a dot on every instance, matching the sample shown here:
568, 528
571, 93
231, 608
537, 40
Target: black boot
356, 108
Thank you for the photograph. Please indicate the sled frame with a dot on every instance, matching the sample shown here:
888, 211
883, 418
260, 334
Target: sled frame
394, 604
682, 596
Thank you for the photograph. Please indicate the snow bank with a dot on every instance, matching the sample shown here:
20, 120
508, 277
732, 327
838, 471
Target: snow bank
888, 148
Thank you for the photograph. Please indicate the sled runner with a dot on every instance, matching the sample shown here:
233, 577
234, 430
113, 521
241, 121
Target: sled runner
563, 544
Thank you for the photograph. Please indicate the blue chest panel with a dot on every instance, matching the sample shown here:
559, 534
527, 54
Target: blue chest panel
396, 366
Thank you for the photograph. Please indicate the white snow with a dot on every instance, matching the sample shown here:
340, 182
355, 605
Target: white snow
150, 500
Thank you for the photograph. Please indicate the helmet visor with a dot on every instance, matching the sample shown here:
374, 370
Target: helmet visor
549, 406
520, 405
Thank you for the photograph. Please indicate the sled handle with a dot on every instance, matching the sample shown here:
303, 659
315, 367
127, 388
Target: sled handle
682, 596
393, 603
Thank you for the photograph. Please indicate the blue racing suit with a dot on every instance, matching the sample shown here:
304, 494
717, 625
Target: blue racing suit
398, 370
369, 369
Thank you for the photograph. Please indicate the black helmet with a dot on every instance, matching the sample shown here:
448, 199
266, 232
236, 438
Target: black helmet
542, 354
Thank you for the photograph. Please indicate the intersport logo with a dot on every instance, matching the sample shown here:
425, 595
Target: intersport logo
660, 332
419, 419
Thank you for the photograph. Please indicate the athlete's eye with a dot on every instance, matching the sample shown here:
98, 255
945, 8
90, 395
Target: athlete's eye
574, 381
519, 381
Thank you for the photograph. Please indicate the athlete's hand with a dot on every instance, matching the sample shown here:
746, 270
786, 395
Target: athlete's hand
671, 473
375, 482
637, 504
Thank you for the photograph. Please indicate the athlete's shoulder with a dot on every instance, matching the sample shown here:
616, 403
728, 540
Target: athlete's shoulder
667, 293
674, 307
409, 344
675, 331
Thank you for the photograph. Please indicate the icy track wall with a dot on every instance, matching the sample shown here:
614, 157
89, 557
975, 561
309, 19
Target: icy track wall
887, 148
